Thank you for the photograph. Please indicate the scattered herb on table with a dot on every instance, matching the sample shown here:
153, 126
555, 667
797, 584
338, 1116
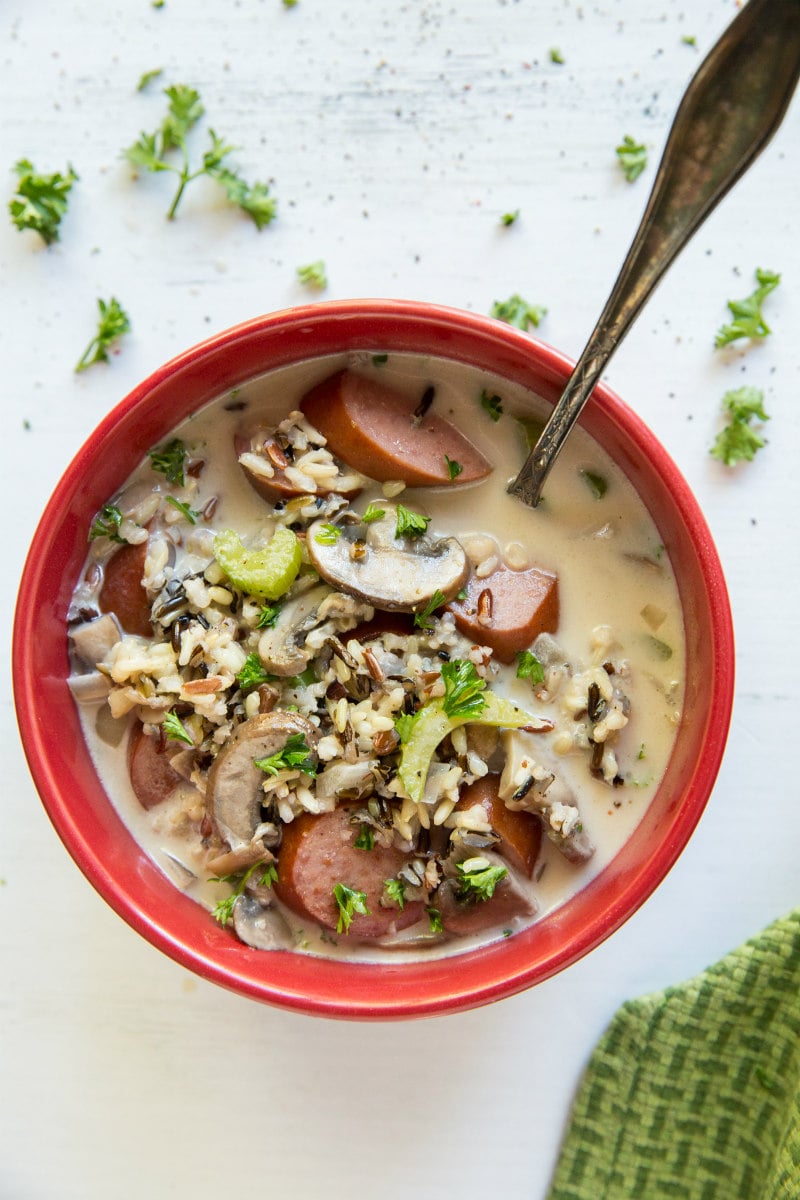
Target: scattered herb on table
556, 56
748, 319
510, 218
463, 688
170, 461
175, 730
40, 201
293, 755
313, 275
349, 902
151, 153
518, 311
739, 441
289, 3
689, 39
112, 323
478, 880
148, 78
410, 524
632, 157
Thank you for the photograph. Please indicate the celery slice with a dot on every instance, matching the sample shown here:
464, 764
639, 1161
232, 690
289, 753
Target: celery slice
266, 573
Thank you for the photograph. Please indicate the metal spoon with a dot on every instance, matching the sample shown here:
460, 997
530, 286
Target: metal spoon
730, 110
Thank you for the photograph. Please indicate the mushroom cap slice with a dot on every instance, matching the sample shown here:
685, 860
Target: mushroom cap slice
234, 781
401, 574
280, 647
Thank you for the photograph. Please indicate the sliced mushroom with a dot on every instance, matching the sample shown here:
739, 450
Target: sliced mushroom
530, 784
281, 647
260, 926
234, 781
93, 639
401, 574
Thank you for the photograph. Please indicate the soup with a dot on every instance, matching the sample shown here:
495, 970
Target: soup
346, 691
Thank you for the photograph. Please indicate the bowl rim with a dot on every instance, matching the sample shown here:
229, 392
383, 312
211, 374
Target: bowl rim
308, 984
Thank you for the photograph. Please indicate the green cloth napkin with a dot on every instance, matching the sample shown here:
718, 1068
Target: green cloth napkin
694, 1092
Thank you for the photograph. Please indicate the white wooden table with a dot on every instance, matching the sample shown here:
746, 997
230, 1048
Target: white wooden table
397, 134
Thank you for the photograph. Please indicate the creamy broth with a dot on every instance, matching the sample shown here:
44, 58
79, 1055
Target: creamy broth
617, 597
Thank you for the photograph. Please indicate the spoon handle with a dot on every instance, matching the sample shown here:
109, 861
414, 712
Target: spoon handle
732, 107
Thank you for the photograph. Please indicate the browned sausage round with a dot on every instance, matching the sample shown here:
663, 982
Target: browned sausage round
508, 609
316, 853
520, 833
123, 592
508, 902
371, 427
279, 486
152, 776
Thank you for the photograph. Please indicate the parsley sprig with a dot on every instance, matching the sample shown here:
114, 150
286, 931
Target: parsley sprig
477, 880
170, 460
632, 157
410, 524
167, 150
349, 902
529, 667
462, 689
40, 201
175, 730
252, 674
294, 754
518, 311
748, 319
223, 911
422, 619
112, 323
107, 523
739, 441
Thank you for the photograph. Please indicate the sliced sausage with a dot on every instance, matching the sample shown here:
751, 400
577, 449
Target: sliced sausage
373, 429
317, 852
278, 486
508, 609
152, 776
520, 833
123, 592
399, 623
508, 902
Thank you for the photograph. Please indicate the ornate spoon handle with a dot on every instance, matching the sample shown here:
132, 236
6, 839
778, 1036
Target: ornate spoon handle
730, 110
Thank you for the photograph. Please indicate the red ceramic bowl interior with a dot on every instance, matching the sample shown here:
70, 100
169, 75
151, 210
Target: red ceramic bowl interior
88, 823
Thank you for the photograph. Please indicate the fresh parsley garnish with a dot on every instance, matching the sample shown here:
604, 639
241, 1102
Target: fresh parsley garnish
396, 891
365, 839
492, 404
454, 468
509, 218
176, 730
170, 460
556, 56
191, 514
373, 513
434, 919
153, 152
462, 689
748, 319
106, 524
422, 618
517, 311
40, 201
477, 880
223, 911
632, 157
328, 535
410, 524
294, 754
112, 323
313, 275
349, 902
404, 723
252, 674
597, 484
268, 616
529, 667
739, 441
148, 77
689, 39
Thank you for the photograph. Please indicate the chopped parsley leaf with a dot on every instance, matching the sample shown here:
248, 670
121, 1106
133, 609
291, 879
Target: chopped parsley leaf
517, 311
107, 523
632, 157
492, 404
510, 218
268, 616
410, 524
404, 724
462, 689
748, 319
556, 56
529, 667
739, 441
40, 201
313, 275
349, 902
223, 911
597, 484
112, 323
294, 754
191, 514
373, 513
422, 618
252, 674
148, 77
477, 880
175, 730
170, 461
396, 891
365, 839
434, 919
454, 468
328, 535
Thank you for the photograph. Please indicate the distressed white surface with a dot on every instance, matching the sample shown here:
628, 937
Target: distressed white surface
396, 135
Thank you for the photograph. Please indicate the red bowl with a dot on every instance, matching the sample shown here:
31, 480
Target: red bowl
88, 823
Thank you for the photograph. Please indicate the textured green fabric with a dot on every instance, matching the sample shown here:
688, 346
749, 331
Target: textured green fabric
694, 1092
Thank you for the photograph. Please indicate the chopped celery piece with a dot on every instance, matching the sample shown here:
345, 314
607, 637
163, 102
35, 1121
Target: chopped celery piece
432, 723
266, 573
